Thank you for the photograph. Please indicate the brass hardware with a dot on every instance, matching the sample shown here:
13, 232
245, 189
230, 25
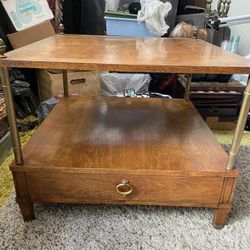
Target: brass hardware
124, 188
2, 49
11, 115
187, 86
61, 29
65, 83
239, 127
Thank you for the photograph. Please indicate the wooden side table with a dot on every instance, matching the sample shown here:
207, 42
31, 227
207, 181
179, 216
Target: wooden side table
124, 150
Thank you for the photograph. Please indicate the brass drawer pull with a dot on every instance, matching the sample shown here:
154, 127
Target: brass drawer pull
124, 188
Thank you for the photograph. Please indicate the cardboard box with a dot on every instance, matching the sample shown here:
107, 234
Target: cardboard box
24, 14
217, 123
31, 35
84, 83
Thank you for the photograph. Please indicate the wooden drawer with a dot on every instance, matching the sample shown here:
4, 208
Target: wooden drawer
101, 188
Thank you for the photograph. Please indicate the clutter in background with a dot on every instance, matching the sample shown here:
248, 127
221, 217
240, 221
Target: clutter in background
232, 45
218, 103
133, 85
115, 23
28, 123
193, 15
25, 101
130, 5
242, 77
4, 127
219, 22
26, 21
114, 84
141, 18
186, 30
163, 83
2, 107
24, 14
112, 5
109, 84
45, 107
56, 7
3, 116
31, 35
153, 13
25, 104
50, 83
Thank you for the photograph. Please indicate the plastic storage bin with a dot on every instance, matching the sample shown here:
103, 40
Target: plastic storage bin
126, 27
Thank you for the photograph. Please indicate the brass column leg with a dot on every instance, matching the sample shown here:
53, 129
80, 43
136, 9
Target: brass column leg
240, 127
65, 83
187, 87
11, 115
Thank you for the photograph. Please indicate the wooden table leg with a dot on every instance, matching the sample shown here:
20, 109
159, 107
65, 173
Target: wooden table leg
227, 193
220, 215
22, 196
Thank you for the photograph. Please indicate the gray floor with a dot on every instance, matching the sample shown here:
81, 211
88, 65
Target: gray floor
124, 227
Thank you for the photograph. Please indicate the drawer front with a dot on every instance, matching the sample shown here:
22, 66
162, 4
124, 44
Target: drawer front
109, 188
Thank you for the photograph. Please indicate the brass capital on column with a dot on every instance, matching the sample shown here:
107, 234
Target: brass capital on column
2, 49
61, 29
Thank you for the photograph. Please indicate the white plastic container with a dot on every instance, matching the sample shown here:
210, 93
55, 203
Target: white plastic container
126, 27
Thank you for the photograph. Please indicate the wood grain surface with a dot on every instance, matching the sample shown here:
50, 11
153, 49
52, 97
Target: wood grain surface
125, 134
127, 54
101, 188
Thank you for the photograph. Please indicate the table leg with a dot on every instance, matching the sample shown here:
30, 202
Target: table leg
65, 83
11, 115
220, 215
187, 87
239, 127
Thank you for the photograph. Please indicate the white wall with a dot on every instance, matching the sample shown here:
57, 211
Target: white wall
240, 7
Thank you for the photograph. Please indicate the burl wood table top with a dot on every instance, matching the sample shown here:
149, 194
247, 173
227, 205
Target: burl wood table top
83, 52
124, 133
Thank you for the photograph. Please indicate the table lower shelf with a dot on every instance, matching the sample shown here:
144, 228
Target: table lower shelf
87, 147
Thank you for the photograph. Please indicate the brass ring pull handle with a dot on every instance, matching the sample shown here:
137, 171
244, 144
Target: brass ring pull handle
124, 188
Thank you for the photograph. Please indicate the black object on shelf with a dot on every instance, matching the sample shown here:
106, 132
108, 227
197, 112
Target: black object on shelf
134, 7
25, 100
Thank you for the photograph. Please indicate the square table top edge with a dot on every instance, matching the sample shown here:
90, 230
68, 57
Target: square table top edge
103, 53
